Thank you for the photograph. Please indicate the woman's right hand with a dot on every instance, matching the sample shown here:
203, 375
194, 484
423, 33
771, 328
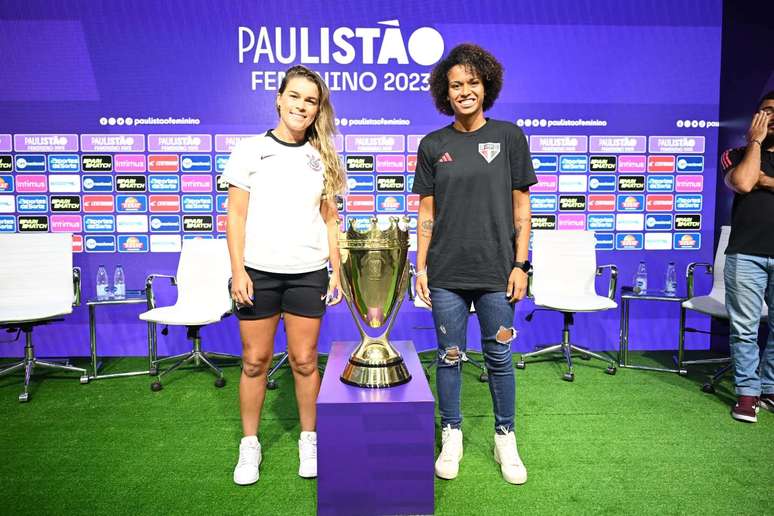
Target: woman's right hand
423, 291
242, 288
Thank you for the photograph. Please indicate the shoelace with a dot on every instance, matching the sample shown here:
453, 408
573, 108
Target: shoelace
511, 454
247, 456
446, 452
308, 450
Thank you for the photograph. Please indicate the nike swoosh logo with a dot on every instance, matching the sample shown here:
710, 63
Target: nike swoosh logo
267, 156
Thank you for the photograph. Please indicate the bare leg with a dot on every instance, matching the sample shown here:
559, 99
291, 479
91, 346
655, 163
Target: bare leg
257, 352
302, 335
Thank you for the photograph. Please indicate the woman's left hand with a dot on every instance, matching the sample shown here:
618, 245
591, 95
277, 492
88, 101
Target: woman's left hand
517, 285
334, 294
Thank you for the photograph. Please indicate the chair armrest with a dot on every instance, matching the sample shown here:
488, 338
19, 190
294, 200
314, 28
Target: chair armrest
149, 287
613, 282
689, 273
412, 287
76, 286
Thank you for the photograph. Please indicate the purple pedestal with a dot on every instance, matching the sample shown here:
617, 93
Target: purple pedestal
375, 446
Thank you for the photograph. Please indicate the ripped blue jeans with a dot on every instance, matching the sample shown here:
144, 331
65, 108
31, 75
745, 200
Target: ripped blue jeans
495, 317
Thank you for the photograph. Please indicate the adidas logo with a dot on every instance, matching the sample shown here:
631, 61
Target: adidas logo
446, 158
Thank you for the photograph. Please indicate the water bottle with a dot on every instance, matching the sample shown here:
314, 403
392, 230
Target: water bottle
102, 283
641, 279
119, 283
670, 281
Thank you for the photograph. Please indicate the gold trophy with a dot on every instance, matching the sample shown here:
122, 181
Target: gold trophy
374, 276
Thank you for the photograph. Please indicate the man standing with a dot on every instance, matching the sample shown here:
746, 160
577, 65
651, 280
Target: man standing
749, 272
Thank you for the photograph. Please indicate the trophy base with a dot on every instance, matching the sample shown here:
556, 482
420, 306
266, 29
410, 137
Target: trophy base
375, 375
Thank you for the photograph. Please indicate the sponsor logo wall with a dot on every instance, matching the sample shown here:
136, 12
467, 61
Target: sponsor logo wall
642, 183
132, 164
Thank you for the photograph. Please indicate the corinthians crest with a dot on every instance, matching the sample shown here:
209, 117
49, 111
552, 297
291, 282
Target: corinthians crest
489, 150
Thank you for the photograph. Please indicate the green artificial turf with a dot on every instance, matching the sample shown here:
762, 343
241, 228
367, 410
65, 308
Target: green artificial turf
639, 442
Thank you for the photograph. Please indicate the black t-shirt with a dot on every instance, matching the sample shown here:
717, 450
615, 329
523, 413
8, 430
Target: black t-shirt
752, 214
471, 177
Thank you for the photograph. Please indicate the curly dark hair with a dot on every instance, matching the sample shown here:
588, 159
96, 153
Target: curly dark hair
473, 58
767, 96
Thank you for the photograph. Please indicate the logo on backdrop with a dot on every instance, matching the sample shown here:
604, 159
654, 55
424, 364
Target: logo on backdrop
197, 223
35, 224
688, 222
383, 44
6, 163
572, 202
356, 163
65, 203
97, 163
390, 183
543, 221
100, 244
130, 183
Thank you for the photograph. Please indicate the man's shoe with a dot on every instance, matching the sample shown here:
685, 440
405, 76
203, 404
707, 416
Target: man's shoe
447, 466
746, 409
507, 456
246, 471
307, 455
767, 402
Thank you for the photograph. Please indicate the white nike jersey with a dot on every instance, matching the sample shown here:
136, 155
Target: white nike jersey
285, 232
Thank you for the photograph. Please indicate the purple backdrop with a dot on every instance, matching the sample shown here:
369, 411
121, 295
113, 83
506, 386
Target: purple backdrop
196, 70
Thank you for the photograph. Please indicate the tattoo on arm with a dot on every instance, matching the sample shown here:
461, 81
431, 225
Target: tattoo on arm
427, 228
520, 225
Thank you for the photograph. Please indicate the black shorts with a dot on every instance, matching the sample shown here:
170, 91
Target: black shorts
298, 294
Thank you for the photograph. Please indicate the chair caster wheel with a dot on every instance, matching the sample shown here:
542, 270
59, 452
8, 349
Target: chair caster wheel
611, 370
568, 377
585, 357
271, 385
24, 397
220, 382
520, 364
708, 388
483, 378
153, 371
156, 386
85, 379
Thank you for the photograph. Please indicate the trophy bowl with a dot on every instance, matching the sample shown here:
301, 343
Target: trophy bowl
374, 276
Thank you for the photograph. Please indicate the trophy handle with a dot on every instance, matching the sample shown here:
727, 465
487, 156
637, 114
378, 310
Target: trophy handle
356, 317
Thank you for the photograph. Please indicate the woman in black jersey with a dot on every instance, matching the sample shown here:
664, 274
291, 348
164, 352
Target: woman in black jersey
473, 178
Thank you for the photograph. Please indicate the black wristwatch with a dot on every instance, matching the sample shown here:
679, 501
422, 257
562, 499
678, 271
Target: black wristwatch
525, 265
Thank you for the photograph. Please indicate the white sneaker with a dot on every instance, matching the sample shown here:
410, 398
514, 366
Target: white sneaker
307, 455
507, 456
447, 466
246, 470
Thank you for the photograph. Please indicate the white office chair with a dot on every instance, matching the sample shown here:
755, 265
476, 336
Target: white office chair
202, 298
38, 285
712, 304
563, 276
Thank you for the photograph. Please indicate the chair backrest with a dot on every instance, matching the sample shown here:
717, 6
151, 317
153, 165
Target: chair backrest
203, 273
564, 263
718, 285
36, 269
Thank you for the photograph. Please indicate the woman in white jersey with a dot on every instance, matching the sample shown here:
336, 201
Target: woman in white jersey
282, 231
